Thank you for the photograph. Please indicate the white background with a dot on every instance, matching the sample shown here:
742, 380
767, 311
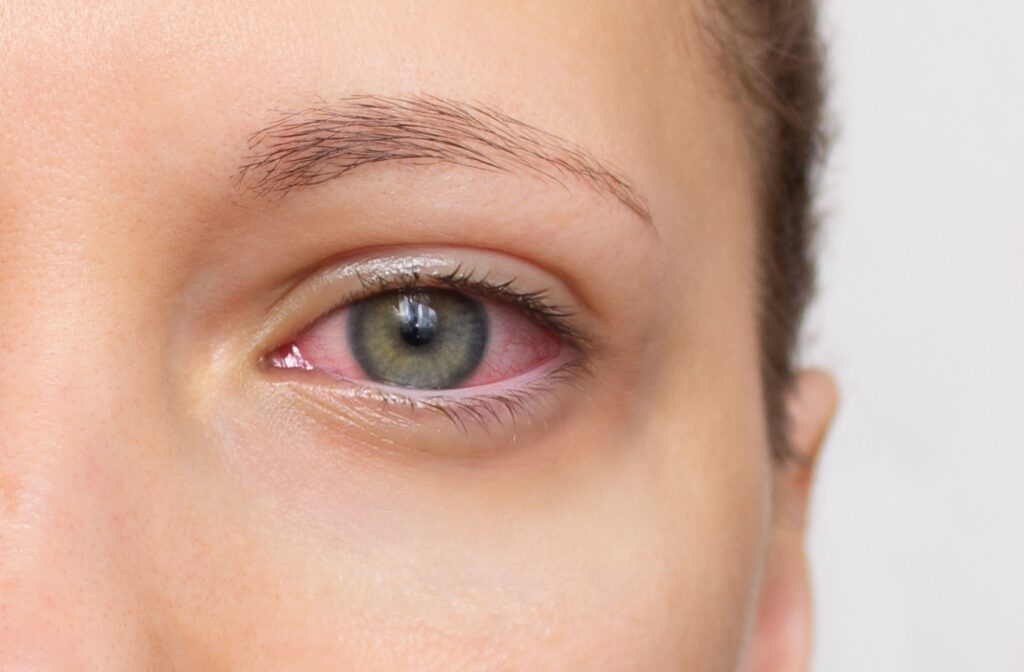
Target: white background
917, 535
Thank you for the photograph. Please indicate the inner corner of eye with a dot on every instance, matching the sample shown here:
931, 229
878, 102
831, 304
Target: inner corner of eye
287, 357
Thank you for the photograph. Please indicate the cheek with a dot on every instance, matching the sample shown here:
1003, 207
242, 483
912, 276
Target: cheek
629, 538
629, 548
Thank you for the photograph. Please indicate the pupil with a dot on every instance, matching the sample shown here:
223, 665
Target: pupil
416, 320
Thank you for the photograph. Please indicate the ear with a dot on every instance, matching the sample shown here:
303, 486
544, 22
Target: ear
781, 635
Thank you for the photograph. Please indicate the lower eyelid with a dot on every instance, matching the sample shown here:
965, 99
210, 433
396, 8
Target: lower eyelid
470, 422
567, 360
365, 273
524, 383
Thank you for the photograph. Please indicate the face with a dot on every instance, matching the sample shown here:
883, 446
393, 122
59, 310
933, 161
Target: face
378, 336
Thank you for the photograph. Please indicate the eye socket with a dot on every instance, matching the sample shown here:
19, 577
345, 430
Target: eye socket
430, 338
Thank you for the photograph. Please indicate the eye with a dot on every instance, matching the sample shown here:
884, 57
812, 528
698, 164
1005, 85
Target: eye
428, 338
474, 337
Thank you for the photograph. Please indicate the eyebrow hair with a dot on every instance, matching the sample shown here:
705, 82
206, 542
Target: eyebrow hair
320, 144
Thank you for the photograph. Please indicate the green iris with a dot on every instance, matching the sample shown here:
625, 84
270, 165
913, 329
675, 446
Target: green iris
429, 338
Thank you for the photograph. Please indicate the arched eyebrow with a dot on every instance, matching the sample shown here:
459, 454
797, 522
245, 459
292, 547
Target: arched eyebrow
320, 144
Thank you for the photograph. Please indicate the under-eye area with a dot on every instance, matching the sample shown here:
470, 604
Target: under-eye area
478, 338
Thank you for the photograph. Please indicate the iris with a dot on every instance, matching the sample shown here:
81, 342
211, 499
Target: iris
426, 338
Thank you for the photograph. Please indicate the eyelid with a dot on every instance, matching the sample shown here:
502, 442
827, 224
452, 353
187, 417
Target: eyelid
541, 294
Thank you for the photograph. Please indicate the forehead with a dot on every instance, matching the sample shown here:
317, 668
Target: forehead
151, 83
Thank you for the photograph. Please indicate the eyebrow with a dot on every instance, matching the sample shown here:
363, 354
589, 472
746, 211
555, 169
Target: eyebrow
320, 144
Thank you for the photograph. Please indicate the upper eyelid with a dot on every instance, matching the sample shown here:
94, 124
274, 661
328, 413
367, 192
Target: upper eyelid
503, 277
553, 316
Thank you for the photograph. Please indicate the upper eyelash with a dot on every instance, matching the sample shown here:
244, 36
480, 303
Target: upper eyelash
536, 303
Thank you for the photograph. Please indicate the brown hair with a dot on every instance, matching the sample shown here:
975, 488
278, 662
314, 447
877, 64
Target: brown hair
773, 55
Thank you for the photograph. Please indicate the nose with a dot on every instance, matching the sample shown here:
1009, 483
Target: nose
66, 600
70, 474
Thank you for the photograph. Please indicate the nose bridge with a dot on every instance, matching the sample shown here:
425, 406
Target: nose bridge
87, 140
67, 512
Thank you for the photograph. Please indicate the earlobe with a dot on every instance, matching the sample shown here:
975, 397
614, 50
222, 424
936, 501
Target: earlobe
781, 636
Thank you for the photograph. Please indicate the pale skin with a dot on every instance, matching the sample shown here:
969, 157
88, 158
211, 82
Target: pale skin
167, 502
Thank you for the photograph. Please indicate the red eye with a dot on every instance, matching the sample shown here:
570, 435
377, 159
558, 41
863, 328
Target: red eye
429, 338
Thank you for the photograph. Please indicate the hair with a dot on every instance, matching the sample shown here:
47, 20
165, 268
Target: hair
773, 57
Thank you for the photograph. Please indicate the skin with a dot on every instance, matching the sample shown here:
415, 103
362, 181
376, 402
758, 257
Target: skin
165, 504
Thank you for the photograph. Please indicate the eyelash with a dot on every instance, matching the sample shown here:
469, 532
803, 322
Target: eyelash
535, 304
480, 409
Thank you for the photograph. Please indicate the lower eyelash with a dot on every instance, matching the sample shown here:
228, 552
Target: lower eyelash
512, 406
